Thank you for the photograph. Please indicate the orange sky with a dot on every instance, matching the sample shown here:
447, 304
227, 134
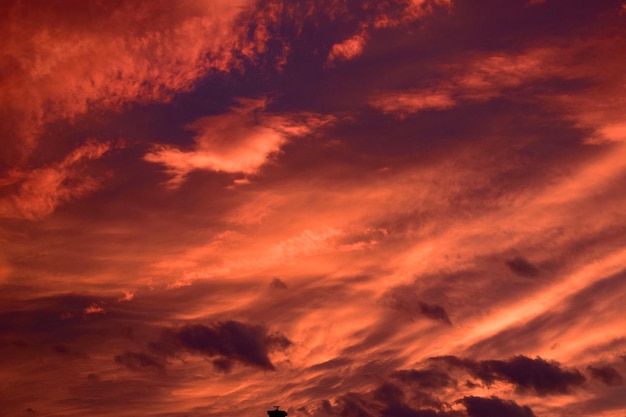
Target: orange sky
398, 208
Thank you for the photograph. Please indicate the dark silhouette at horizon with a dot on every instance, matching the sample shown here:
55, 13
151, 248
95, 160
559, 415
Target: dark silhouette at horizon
277, 412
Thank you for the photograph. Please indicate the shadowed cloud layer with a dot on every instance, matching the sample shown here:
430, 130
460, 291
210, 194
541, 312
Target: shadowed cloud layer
492, 407
544, 377
225, 343
390, 208
229, 341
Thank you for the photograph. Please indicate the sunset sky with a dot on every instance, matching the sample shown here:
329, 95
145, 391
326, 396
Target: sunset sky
348, 208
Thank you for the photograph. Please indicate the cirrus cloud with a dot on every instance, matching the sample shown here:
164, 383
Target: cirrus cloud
40, 191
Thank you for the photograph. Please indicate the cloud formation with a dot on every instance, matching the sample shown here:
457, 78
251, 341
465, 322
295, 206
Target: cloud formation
241, 141
348, 49
38, 192
479, 79
522, 267
544, 377
225, 343
492, 407
606, 374
375, 208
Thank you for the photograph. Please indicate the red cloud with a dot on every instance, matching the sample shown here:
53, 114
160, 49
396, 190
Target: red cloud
237, 142
482, 78
348, 49
41, 190
403, 103
59, 62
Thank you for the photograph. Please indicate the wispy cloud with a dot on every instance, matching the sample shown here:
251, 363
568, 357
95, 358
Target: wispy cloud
39, 192
241, 141
479, 79
73, 68
425, 219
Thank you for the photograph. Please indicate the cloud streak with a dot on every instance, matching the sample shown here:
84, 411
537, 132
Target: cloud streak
241, 141
40, 191
377, 209
226, 342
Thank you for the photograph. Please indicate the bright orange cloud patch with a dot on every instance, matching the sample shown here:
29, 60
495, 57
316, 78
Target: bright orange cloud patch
40, 191
348, 49
238, 142
59, 64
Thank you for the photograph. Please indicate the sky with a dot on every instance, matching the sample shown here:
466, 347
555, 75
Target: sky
375, 208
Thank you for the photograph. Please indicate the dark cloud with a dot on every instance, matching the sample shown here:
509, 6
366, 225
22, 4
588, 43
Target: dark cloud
327, 406
388, 400
140, 361
522, 267
606, 374
278, 284
388, 393
58, 316
435, 312
427, 378
403, 299
495, 407
352, 405
226, 342
544, 377
223, 364
395, 405
65, 350
62, 325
